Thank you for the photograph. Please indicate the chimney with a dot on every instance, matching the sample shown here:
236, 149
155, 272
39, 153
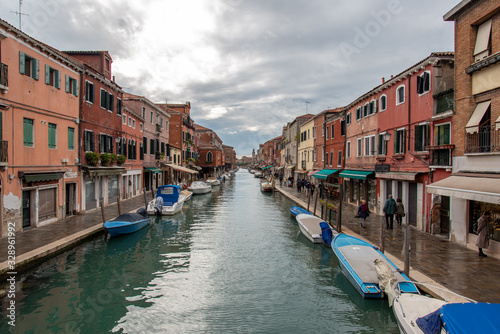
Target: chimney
113, 78
383, 80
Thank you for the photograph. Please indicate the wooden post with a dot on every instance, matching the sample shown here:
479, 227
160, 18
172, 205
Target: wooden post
315, 203
101, 204
339, 213
382, 234
119, 206
145, 197
152, 194
407, 249
308, 200
326, 208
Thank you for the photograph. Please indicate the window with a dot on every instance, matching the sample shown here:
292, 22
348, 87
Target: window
366, 109
118, 106
88, 137
89, 92
71, 139
400, 95
348, 149
28, 66
209, 157
157, 119
141, 151
482, 48
124, 118
327, 132
71, 85
322, 153
383, 102
331, 158
28, 134
373, 107
442, 134
342, 128
161, 122
144, 113
151, 146
140, 127
145, 144
421, 137
151, 117
314, 132
102, 143
333, 133
359, 113
339, 159
52, 77
130, 121
322, 131
423, 83
369, 145
124, 147
360, 143
107, 100
348, 118
399, 141
133, 123
382, 145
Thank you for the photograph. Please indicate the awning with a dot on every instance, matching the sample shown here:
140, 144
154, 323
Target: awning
182, 169
482, 189
103, 171
324, 173
355, 174
301, 171
41, 176
290, 167
313, 172
473, 124
406, 176
267, 167
153, 170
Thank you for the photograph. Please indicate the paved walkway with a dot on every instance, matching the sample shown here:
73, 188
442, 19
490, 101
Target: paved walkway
455, 267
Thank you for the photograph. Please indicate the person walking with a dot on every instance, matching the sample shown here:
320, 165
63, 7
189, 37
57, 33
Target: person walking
320, 187
363, 212
483, 232
299, 184
312, 187
390, 208
281, 180
400, 211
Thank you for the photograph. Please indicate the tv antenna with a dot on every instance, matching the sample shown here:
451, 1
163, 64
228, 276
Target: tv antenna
307, 102
19, 13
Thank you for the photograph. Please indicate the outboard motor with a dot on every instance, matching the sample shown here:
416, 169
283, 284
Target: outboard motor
142, 212
159, 205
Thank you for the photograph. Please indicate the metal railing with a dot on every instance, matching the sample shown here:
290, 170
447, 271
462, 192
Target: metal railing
487, 139
4, 151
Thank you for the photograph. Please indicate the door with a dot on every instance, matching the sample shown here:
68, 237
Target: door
445, 215
26, 209
388, 188
70, 199
412, 204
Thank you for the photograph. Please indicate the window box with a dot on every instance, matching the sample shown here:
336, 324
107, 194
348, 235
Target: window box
398, 156
381, 159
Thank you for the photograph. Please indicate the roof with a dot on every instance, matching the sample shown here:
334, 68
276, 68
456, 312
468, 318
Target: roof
458, 9
198, 127
133, 97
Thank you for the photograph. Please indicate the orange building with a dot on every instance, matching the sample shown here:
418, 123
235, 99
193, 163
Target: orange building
39, 116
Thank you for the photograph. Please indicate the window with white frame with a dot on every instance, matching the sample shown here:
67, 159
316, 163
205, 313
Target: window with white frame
124, 119
482, 49
400, 95
366, 109
331, 158
360, 147
348, 118
424, 83
382, 144
151, 117
89, 92
339, 159
107, 100
333, 133
322, 153
359, 113
421, 137
118, 106
144, 113
348, 149
370, 145
314, 154
383, 102
314, 132
140, 127
133, 123
399, 141
373, 107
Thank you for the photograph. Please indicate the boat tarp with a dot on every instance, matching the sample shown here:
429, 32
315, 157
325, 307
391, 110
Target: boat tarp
462, 318
324, 173
169, 194
295, 210
326, 233
128, 217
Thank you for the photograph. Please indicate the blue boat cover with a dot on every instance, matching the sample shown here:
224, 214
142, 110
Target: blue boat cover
464, 318
169, 194
430, 323
295, 210
326, 233
128, 217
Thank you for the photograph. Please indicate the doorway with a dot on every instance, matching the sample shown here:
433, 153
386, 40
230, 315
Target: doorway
445, 215
26, 209
70, 199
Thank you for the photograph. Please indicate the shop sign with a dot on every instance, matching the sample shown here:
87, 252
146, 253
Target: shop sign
382, 168
70, 175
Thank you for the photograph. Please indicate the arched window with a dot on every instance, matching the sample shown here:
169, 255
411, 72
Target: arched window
210, 157
383, 102
400, 94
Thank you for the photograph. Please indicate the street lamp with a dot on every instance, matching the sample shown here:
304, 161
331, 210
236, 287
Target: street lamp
387, 136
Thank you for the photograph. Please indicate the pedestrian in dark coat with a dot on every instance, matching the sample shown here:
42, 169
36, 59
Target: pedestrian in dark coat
312, 187
483, 232
390, 208
400, 211
299, 185
363, 212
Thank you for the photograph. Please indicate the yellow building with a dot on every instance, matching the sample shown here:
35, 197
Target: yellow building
305, 142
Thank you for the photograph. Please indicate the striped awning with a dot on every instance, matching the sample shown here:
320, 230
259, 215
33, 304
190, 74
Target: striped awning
41, 176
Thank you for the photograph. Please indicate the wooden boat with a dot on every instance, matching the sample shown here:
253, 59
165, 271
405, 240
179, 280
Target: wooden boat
310, 227
213, 181
187, 194
169, 201
356, 258
295, 210
266, 186
199, 187
258, 174
127, 223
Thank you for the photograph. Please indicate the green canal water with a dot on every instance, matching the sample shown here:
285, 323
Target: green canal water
233, 261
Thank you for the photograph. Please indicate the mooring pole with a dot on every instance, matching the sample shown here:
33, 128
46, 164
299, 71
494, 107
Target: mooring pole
308, 200
145, 197
119, 206
407, 249
382, 234
101, 204
315, 203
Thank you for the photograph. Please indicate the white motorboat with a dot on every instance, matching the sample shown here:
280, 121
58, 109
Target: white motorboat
188, 194
310, 226
200, 187
213, 181
258, 174
252, 171
169, 200
266, 186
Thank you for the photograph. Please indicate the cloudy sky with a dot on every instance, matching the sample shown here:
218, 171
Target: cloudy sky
246, 66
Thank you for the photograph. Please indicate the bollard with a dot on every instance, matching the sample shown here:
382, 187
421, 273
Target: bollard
382, 234
315, 203
101, 204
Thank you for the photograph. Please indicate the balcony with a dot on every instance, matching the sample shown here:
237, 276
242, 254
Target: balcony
440, 155
4, 153
4, 78
158, 128
485, 141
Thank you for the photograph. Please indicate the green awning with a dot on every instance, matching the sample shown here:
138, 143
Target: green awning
324, 173
153, 170
39, 177
267, 167
355, 174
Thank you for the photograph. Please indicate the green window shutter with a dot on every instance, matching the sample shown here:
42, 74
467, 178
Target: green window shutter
92, 93
47, 74
67, 82
35, 68
52, 135
403, 142
28, 132
103, 99
92, 141
446, 137
57, 79
380, 143
75, 87
426, 135
71, 138
418, 138
396, 141
22, 62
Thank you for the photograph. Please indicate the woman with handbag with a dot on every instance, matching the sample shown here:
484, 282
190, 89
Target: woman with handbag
400, 211
363, 212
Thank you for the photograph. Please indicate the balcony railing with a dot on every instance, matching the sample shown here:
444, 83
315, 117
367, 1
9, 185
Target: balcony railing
440, 155
4, 152
4, 77
484, 141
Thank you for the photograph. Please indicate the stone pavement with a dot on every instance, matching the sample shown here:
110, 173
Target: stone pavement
452, 266
34, 245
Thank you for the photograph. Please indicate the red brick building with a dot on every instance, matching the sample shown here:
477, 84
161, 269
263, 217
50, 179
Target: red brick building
210, 152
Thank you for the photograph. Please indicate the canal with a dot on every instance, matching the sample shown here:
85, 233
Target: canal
233, 262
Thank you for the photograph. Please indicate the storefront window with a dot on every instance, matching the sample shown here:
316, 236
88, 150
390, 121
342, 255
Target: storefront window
47, 203
476, 211
347, 190
372, 193
112, 188
90, 201
355, 191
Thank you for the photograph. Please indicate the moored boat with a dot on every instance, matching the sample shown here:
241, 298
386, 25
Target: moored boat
310, 226
266, 186
187, 194
169, 201
127, 223
199, 187
258, 174
357, 260
213, 181
295, 210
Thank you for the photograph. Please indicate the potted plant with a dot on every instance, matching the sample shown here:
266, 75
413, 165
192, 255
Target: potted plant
120, 159
105, 159
92, 158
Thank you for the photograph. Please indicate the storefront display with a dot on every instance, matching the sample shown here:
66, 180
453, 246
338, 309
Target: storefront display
476, 210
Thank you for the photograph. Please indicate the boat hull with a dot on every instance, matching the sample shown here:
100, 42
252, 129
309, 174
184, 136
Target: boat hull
199, 191
295, 210
117, 228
